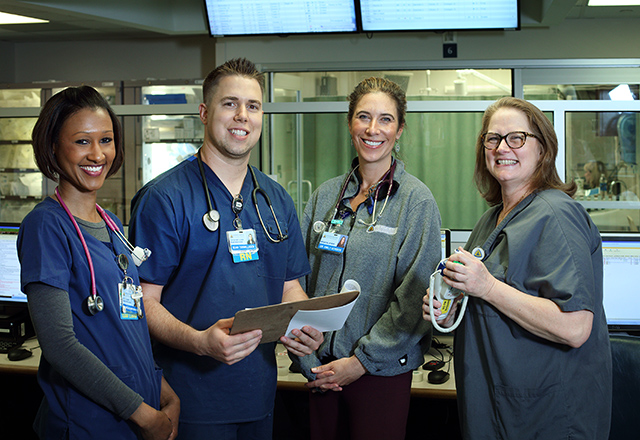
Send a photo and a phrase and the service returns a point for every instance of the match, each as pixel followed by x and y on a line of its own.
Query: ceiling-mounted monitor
pixel 279 17
pixel 438 15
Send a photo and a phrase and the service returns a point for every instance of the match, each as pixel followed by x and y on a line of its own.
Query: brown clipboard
pixel 274 320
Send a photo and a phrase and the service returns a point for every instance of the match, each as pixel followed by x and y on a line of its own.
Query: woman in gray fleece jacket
pixel 361 374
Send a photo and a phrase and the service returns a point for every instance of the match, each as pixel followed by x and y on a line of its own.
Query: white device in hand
pixel 447 296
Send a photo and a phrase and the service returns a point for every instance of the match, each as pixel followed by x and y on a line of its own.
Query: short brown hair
pixel 54 114
pixel 545 175
pixel 238 66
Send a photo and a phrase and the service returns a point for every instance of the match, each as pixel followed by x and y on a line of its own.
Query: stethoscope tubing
pixel 94 293
pixel 204 181
pixel 110 224
pixel 388 176
pixel 254 197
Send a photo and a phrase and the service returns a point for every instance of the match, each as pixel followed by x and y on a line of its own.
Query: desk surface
pixel 420 387
pixel 25 366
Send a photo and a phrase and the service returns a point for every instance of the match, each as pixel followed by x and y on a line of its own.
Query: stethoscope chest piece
pixel 211 220
pixel 319 227
pixel 94 304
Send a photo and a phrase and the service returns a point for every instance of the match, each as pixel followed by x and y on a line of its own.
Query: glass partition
pixel 28 97
pixel 20 180
pixel 600 142
pixel 437 148
pixel 602 157
pixel 459 84
pixel 582 92
pixel 171 94
pixel 306 148
pixel 167 140
pixel 110 93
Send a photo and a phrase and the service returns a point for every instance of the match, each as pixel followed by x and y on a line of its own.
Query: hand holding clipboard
pixel 325 313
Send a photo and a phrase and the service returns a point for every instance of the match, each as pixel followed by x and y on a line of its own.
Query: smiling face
pixel 233 117
pixel 85 150
pixel 513 169
pixel 374 129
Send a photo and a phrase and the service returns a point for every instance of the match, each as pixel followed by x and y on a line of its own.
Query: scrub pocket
pixel 273 256
pixel 531 413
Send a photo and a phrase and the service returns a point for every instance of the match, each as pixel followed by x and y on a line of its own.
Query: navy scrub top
pixel 202 284
pixel 51 252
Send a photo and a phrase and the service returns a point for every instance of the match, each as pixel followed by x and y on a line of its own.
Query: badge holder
pixel 130 299
pixel 333 242
pixel 243 245
pixel 447 295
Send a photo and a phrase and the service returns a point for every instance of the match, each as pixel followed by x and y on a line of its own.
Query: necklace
pixel 373 187
pixel 503 214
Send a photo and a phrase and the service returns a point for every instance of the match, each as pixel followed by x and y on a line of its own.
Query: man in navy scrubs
pixel 196 219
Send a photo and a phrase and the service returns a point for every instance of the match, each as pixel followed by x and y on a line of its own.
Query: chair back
pixel 625 418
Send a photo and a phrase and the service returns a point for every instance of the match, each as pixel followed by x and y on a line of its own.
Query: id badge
pixel 333 242
pixel 130 301
pixel 243 245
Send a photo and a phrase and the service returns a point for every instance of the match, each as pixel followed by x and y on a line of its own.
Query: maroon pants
pixel 373 407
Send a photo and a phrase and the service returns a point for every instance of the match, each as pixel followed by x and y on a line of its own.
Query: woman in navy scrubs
pixel 97 370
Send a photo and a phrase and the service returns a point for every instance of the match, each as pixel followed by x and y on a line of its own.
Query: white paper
pixel 326 320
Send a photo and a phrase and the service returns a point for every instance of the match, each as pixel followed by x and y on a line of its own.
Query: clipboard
pixel 273 320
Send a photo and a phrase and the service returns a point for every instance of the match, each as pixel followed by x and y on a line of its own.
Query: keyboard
pixel 5 346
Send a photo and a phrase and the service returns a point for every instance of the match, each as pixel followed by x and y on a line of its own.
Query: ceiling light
pixel 18 19
pixel 614 3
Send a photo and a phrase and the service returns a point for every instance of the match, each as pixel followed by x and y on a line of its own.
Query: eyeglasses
pixel 514 140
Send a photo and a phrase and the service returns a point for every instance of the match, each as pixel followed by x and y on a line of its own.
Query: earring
pixel 397 146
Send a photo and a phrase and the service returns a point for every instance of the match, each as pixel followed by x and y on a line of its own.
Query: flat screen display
pixel 279 17
pixel 621 254
pixel 445 243
pixel 451 15
pixel 10 266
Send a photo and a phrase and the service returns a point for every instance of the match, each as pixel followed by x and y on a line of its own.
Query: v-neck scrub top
pixel 202 284
pixel 51 252
pixel 512 384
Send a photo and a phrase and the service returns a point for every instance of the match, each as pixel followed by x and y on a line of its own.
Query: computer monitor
pixel 12 300
pixel 418 15
pixel 621 255
pixel 275 17
pixel 445 242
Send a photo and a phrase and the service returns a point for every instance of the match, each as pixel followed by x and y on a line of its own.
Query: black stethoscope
pixel 211 218
pixel 94 302
pixel 387 179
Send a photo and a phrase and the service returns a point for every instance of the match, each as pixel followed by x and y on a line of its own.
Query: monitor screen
pixel 10 267
pixel 445 242
pixel 278 17
pixel 421 15
pixel 621 255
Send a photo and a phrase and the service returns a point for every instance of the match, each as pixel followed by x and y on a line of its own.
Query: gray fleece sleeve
pixel 51 315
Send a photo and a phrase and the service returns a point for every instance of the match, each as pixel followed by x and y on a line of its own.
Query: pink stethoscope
pixel 95 303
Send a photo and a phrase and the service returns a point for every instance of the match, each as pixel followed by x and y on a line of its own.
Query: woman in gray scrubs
pixel 532 357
